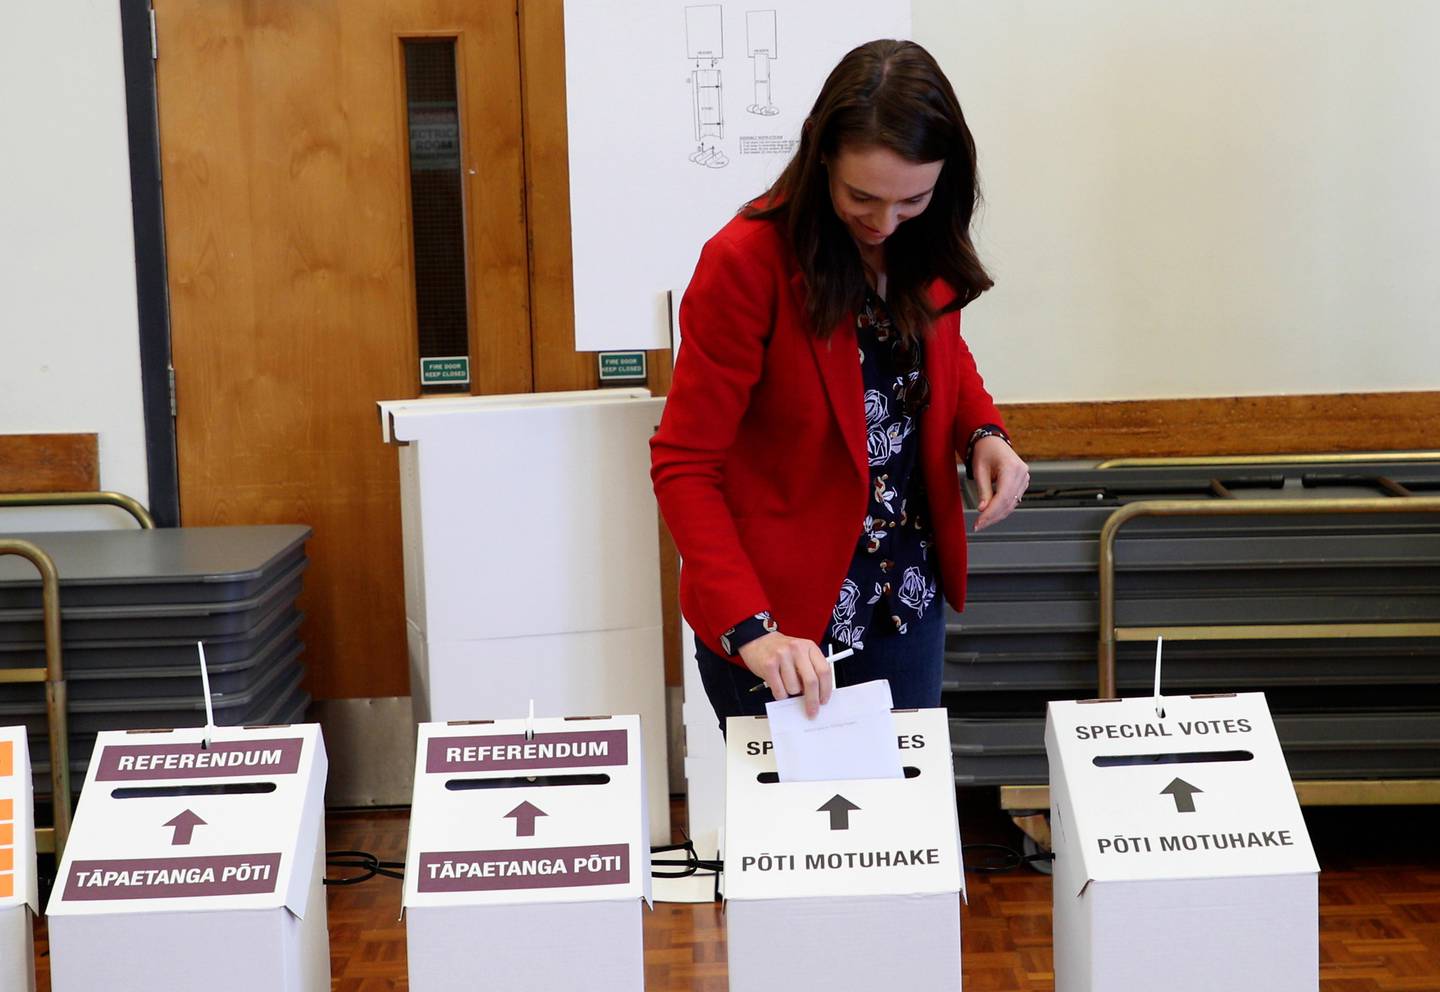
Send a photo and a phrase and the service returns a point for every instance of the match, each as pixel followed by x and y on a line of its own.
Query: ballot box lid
pixel 502 816
pixel 170 823
pixel 856 837
pixel 1201 791
pixel 17 823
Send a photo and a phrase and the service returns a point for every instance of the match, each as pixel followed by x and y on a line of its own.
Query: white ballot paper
pixel 852 737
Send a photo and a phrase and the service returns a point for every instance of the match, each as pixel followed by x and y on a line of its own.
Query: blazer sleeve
pixel 726 318
pixel 976 407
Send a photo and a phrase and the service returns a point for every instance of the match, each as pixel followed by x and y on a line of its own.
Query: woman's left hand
pixel 1001 476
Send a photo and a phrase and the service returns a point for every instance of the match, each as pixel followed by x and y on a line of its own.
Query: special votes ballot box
pixel 18 899
pixel 528 856
pixel 841 885
pixel 1181 858
pixel 193 867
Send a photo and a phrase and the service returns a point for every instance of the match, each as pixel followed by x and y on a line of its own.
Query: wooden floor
pixel 1379 916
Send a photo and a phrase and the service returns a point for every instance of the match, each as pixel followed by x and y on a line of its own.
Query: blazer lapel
pixel 838 360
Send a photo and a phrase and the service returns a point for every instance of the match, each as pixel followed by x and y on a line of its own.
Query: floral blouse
pixel 891 582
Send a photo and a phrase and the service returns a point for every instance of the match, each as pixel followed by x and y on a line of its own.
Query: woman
pixel 806 460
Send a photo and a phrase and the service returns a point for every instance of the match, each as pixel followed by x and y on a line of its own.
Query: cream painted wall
pixel 69 341
pixel 1184 198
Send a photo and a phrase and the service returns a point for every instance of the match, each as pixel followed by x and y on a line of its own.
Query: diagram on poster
pixel 679 113
pixel 760 39
pixel 705 46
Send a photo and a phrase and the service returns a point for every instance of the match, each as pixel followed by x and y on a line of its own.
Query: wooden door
pixel 284 148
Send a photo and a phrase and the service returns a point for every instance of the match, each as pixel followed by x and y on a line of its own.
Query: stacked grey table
pixel 1360 708
pixel 133 606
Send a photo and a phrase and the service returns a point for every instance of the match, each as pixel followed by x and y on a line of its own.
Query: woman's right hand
pixel 791 666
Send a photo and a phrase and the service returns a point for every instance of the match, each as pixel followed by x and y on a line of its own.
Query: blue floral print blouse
pixel 891 582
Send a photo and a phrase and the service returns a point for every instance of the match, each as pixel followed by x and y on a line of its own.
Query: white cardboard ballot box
pixel 193 867
pixel 18 899
pixel 1181 858
pixel 840 885
pixel 532 559
pixel 528 856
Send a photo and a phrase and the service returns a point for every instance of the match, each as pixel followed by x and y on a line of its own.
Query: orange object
pixel 7 886
pixel 7 759
pixel 7 859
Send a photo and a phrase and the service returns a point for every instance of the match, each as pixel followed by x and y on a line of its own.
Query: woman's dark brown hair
pixel 893 95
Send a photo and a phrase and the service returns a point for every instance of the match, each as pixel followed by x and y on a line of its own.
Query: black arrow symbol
pixel 524 816
pixel 839 809
pixel 1183 793
pixel 184 824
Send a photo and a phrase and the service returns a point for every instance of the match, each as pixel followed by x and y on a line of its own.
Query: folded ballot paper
pixel 852 737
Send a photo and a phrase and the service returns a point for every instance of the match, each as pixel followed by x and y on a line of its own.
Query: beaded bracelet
pixel 986 430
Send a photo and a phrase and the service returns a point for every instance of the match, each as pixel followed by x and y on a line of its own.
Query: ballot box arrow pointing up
pixel 1183 793
pixel 839 809
pixel 184 824
pixel 524 816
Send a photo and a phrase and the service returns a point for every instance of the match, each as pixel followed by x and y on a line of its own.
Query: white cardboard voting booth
pixel 1181 858
pixel 528 856
pixel 532 562
pixel 18 900
pixel 196 868
pixel 843 885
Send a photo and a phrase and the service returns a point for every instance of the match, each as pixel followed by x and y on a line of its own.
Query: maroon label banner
pixel 222 759
pixel 531 868
pixel 173 878
pixel 512 752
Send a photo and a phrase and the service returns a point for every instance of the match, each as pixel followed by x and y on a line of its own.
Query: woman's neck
pixel 872 258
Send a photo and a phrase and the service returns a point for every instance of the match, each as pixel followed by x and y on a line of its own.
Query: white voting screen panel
pixel 679 112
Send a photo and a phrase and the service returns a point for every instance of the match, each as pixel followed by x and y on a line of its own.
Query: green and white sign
pixel 622 366
pixel 454 371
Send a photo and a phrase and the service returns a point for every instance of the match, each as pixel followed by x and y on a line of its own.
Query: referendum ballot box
pixel 194 867
pixel 18 900
pixel 528 856
pixel 1181 859
pixel 839 885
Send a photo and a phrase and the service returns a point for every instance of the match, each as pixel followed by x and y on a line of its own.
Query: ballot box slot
pixel 1181 758
pixel 523 782
pixel 172 791
pixel 772 778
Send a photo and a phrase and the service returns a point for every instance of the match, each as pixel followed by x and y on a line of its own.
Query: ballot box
pixel 1181 858
pixel 18 901
pixel 195 866
pixel 528 856
pixel 532 559
pixel 840 885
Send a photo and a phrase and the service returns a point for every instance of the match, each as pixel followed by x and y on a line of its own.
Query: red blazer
pixel 759 464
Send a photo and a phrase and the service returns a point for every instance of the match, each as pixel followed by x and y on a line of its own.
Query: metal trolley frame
pixel 1022 801
pixel 52 838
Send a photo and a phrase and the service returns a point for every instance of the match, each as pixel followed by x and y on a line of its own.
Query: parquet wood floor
pixel 1379 916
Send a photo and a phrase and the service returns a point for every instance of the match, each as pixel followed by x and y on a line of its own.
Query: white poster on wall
pixel 679 113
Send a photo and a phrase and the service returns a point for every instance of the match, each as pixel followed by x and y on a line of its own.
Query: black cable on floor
pixel 1009 858
pixel 364 863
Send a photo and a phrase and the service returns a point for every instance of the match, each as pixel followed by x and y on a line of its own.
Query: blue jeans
pixel 911 661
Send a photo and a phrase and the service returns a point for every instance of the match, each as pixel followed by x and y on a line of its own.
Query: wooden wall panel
pixel 49 463
pixel 1245 425
pixel 558 366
